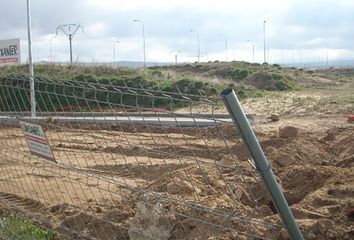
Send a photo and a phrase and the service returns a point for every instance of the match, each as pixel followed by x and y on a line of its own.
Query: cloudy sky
pixel 296 30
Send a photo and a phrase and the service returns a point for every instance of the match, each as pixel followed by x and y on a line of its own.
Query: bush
pixel 156 73
pixel 186 85
pixel 232 74
pixel 282 83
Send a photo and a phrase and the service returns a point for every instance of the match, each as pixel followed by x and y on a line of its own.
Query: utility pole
pixel 114 51
pixel 176 55
pixel 327 58
pixel 225 38
pixel 50 48
pixel 252 50
pixel 198 43
pixel 264 41
pixel 143 28
pixel 70 30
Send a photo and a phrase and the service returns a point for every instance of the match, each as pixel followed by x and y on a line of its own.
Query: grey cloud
pixel 325 20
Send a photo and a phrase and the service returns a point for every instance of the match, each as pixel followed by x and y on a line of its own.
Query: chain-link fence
pixel 128 163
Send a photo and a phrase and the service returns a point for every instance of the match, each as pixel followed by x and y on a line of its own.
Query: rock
pixel 48 120
pixel 179 186
pixel 346 162
pixel 270 149
pixel 255 193
pixel 274 117
pixel 350 213
pixel 311 235
pixel 300 213
pixel 283 235
pixel 221 185
pixel 151 222
pixel 98 209
pixel 322 225
pixel 251 116
pixel 288 132
pixel 283 159
pixel 228 160
pixel 265 210
pixel 244 197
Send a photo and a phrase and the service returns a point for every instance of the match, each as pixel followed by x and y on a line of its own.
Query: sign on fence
pixel 37 140
pixel 10 51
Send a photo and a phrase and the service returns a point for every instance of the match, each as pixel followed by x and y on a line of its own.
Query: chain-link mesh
pixel 130 164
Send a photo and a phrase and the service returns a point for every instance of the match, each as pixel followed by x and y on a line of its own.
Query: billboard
pixel 10 51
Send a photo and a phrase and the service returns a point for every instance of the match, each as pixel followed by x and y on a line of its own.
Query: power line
pixel 70 30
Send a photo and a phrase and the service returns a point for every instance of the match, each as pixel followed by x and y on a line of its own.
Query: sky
pixel 296 31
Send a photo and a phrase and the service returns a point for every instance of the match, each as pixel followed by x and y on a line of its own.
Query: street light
pixel 50 48
pixel 225 38
pixel 114 51
pixel 252 50
pixel 264 41
pixel 142 24
pixel 30 61
pixel 193 30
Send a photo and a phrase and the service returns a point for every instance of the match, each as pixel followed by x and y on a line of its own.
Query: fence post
pixel 249 138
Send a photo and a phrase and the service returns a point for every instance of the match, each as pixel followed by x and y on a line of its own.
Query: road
pixel 158 120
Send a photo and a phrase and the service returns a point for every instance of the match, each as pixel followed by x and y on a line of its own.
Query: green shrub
pixel 156 73
pixel 282 83
pixel 234 74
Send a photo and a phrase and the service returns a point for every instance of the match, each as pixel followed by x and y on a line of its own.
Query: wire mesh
pixel 131 163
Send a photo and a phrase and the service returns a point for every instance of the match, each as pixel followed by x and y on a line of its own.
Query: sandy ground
pixel 201 179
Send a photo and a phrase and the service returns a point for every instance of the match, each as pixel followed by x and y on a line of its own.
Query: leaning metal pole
pixel 249 138
pixel 30 61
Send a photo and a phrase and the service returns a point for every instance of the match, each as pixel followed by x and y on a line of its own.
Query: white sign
pixel 10 51
pixel 37 141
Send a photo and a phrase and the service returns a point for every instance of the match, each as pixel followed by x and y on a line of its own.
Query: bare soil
pixel 195 176
pixel 314 168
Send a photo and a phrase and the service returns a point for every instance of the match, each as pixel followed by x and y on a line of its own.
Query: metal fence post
pixel 249 138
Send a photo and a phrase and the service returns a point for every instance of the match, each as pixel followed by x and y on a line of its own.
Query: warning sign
pixel 37 141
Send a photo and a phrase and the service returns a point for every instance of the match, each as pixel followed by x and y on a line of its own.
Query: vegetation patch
pixel 18 229
pixel 106 87
pixel 272 81
pixel 233 74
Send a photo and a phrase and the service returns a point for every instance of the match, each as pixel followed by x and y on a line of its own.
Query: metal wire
pixel 129 163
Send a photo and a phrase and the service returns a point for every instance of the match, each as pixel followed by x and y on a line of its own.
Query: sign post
pixel 37 140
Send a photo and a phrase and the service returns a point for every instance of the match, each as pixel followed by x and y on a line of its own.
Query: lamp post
pixel 30 61
pixel 264 41
pixel 142 24
pixel 114 51
pixel 225 38
pixel 198 44
pixel 50 48
pixel 252 50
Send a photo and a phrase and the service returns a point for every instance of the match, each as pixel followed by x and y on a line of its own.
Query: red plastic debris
pixel 350 118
